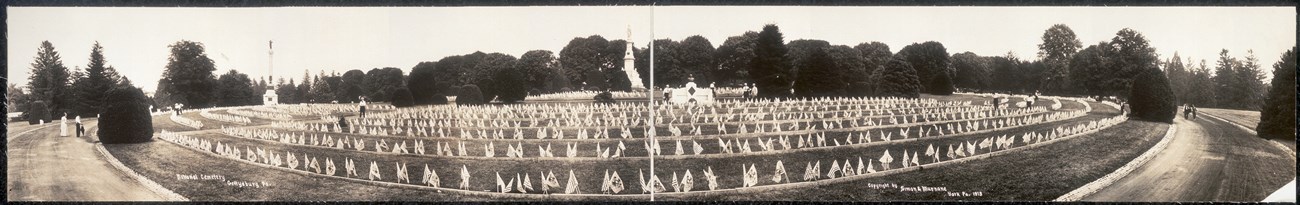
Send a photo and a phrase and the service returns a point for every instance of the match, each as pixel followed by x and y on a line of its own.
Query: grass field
pixel 1034 174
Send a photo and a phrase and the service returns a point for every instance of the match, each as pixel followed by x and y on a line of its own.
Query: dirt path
pixel 45 167
pixel 1208 160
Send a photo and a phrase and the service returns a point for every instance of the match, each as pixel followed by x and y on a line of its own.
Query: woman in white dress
pixel 63 126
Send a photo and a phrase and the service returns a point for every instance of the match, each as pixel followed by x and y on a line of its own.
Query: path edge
pixel 152 186
pixel 1121 172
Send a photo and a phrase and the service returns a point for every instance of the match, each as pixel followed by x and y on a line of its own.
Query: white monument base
pixel 691 95
pixel 270 98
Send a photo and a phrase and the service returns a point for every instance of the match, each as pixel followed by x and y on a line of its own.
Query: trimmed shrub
pixel 897 79
pixel 38 111
pixel 859 89
pixel 438 100
pixel 1151 98
pixel 126 117
pixel 402 97
pixel 941 85
pixel 604 97
pixel 469 95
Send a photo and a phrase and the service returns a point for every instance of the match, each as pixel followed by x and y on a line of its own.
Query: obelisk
pixel 270 98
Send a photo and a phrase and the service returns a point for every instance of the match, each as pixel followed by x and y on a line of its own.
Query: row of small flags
pixel 612 183
pixel 725 146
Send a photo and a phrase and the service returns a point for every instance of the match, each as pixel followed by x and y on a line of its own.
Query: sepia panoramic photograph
pixel 651 103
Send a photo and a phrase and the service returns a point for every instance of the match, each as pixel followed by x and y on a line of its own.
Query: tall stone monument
pixel 629 64
pixel 270 98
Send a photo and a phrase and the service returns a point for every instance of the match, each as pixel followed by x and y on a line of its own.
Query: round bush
pixel 604 97
pixel 1151 98
pixel 402 97
pixel 38 111
pixel 469 95
pixel 126 117
pixel 941 85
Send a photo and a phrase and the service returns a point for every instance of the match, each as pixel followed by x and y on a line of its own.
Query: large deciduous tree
pixel 423 84
pixel 874 55
pixel 349 88
pixel 770 70
pixel 733 59
pixel 582 56
pixel 799 51
pixel 1277 119
pixel 1059 45
pixel 896 79
pixel 929 59
pixel 973 71
pixel 236 89
pixel 539 66
pixel 1132 55
pixel 485 75
pixel 696 59
pixel 821 76
pixel 852 69
pixel 1088 69
pixel 189 75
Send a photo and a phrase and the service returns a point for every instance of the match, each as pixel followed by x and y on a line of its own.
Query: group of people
pixel 1189 111
pixel 63 126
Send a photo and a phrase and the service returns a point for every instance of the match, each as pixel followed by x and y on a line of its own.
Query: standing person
pixel 63 125
pixel 363 107
pixel 1193 111
pixel 1187 111
pixel 997 100
pixel 81 131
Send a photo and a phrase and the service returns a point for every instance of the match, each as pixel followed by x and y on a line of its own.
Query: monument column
pixel 270 98
pixel 629 64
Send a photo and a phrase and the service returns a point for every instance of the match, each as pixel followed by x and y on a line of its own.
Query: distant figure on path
pixel 63 125
pixel 749 91
pixel 1193 112
pixel 363 107
pixel 997 100
pixel 343 123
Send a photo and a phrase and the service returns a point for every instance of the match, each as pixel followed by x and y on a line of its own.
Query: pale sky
pixel 338 39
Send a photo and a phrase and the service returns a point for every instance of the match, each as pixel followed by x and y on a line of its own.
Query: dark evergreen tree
pixel 98 79
pixel 49 80
pixel 770 70
pixel 1277 119
pixel 1151 98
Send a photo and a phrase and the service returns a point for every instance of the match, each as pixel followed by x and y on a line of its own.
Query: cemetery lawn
pixel 162 161
pixel 1247 118
pixel 1036 174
